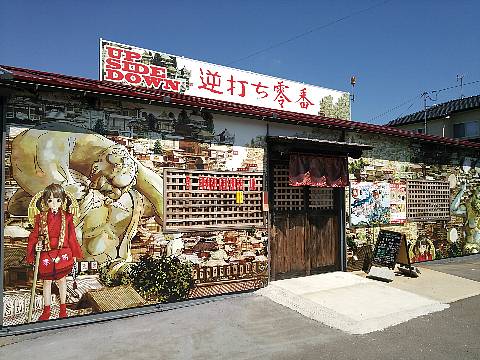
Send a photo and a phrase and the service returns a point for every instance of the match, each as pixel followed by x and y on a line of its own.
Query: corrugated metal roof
pixel 34 77
pixel 439 111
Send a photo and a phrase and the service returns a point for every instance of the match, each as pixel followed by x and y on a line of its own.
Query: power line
pixel 403 112
pixel 456 86
pixel 298 36
pixel 419 96
pixel 412 100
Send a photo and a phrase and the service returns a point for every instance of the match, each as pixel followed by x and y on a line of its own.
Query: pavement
pixel 349 302
pixel 437 285
pixel 466 267
pixel 352 303
pixel 251 326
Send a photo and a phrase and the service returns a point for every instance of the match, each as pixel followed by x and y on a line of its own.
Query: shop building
pixel 217 196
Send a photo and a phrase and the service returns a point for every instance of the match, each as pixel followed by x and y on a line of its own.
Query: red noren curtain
pixel 319 171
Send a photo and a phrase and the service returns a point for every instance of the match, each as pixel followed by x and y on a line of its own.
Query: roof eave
pixel 57 81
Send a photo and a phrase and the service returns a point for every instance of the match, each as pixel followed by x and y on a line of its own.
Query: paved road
pixel 467 267
pixel 252 327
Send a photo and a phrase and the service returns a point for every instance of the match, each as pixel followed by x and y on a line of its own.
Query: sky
pixel 396 49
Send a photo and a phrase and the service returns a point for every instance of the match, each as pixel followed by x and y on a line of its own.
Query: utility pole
pixel 425 97
pixel 460 78
pixel 353 81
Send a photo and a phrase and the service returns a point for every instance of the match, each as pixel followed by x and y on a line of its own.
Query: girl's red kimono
pixel 55 223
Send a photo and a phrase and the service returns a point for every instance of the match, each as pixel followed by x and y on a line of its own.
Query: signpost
pixel 390 249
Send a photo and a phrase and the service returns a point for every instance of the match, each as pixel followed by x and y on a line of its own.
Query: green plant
pixel 439 255
pixel 352 245
pixel 112 276
pixel 356 166
pixel 342 107
pixel 157 147
pixel 99 127
pixel 162 279
pixel 455 250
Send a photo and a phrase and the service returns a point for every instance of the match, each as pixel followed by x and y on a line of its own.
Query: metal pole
pixel 3 110
pixel 460 77
pixel 424 113
pixel 342 227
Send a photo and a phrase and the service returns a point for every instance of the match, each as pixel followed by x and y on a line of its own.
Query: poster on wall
pixel 398 203
pixel 91 217
pixel 377 203
pixel 131 65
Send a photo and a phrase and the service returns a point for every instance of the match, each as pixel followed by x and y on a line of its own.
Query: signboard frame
pixel 397 254
pixel 135 66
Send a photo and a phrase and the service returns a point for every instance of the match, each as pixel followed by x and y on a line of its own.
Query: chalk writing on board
pixel 386 249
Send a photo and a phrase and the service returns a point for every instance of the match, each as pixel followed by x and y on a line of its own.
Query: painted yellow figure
pixel 112 188
pixel 470 209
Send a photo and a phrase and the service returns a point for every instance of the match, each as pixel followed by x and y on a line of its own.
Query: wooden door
pixel 305 228
pixel 322 243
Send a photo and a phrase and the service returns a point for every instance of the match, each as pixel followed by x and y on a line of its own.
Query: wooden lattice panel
pixel 428 200
pixel 200 200
pixel 321 198
pixel 286 197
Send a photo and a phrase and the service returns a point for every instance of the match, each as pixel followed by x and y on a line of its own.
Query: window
pixel 428 200
pixel 459 130
pixel 420 130
pixel 286 197
pixel 471 129
pixel 465 130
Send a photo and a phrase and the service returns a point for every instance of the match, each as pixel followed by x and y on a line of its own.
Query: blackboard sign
pixel 387 248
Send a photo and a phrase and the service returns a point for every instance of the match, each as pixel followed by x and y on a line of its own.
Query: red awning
pixel 319 171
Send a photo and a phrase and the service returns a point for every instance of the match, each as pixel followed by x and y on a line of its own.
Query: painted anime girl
pixel 53 229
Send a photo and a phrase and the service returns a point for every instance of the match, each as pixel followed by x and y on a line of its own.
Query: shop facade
pixel 177 197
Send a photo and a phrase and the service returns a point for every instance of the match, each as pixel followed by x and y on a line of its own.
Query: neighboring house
pixel 458 118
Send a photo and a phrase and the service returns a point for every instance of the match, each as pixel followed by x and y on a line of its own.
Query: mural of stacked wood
pixel 197 200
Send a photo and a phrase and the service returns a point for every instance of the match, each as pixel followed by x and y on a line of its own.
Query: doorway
pixel 306 226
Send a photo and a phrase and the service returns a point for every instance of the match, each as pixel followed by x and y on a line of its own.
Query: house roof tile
pixel 439 111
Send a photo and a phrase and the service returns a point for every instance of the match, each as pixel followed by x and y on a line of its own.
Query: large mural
pixel 396 164
pixel 156 204
pixel 94 222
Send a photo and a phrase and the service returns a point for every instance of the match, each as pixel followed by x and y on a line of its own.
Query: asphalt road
pixel 253 327
pixel 467 267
